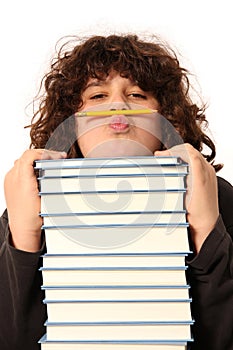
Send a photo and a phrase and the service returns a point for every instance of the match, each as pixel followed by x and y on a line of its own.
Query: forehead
pixel 111 78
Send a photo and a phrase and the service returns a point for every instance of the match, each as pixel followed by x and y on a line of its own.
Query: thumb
pixel 162 153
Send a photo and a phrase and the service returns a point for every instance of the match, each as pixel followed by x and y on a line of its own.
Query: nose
pixel 114 109
pixel 114 105
pixel 117 98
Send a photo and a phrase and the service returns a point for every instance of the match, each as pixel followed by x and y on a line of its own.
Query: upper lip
pixel 119 119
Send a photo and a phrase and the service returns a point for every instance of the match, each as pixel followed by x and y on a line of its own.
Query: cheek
pixel 85 143
pixel 149 126
pixel 149 140
pixel 90 125
pixel 88 140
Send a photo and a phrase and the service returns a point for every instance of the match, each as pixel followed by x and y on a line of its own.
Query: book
pixel 118 310
pixel 121 170
pixel 127 182
pixel 114 218
pixel 112 260
pixel 87 292
pixel 149 239
pixel 113 276
pixel 112 201
pixel 105 162
pixel 174 331
pixel 111 345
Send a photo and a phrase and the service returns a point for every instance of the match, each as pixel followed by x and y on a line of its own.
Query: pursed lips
pixel 119 123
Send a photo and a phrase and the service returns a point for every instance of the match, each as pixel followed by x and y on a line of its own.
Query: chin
pixel 119 148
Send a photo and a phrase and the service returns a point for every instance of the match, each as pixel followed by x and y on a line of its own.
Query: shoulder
pixel 3 225
pixel 5 215
pixel 225 190
pixel 225 197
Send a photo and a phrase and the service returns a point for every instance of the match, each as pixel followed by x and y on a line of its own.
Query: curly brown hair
pixel 152 64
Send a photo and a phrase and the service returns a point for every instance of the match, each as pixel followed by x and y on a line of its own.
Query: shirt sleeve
pixel 211 279
pixel 22 313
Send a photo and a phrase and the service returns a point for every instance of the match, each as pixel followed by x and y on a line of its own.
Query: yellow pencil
pixel 115 112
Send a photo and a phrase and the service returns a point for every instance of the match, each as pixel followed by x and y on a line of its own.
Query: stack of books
pixel 114 274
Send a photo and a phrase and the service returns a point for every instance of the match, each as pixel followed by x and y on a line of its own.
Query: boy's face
pixel 117 135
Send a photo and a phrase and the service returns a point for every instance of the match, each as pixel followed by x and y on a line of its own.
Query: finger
pixel 49 154
pixel 184 151
pixel 25 164
pixel 29 156
pixel 37 154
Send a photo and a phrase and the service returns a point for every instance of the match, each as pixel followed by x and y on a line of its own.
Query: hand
pixel 202 194
pixel 23 201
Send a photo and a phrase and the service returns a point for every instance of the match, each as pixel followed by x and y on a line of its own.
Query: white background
pixel 200 30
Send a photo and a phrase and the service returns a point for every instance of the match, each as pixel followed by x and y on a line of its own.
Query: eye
pixel 97 96
pixel 138 95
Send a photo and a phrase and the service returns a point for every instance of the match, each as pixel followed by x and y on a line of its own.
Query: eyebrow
pixel 95 83
pixel 103 82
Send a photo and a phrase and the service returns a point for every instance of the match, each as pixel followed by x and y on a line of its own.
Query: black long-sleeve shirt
pixel 22 312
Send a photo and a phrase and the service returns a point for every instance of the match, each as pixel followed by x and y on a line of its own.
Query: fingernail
pixel 63 154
